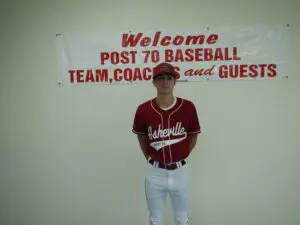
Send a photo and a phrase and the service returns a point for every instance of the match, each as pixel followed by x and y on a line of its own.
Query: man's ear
pixel 153 82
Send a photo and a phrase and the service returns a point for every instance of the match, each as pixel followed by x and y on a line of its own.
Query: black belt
pixel 171 166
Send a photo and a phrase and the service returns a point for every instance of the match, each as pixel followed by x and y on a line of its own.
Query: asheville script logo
pixel 175 131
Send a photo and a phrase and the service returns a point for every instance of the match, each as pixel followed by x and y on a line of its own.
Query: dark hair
pixel 170 74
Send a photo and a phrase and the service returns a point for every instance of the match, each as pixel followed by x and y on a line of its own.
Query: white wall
pixel 68 155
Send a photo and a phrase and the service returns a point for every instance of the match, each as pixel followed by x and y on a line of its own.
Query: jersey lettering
pixel 177 130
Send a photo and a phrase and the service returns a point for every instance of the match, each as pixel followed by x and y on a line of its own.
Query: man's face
pixel 164 83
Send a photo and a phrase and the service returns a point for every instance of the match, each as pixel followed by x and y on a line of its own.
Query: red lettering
pixel 165 41
pixel 178 40
pixel 234 71
pixel 253 71
pixel 156 38
pixel 79 76
pixel 89 76
pixel 137 74
pixel 235 55
pixel 208 54
pixel 223 71
pixel 202 54
pixel 193 39
pixel 102 75
pixel 169 55
pixel 116 76
pixel 227 58
pixel 179 56
pixel 103 57
pixel 132 40
pixel 262 69
pixel 127 74
pixel 72 74
pixel 133 54
pixel 155 56
pixel 218 55
pixel 147 54
pixel 198 54
pixel 189 57
pixel 227 55
pixel 177 69
pixel 124 57
pixel 212 39
pixel 272 72
pixel 243 71
pixel 209 71
pixel 145 41
pixel 145 75
pixel 189 72
pixel 114 58
pixel 127 57
pixel 199 72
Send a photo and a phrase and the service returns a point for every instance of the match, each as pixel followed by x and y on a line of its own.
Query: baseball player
pixel 167 129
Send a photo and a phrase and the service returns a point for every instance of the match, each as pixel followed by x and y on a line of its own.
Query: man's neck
pixel 165 101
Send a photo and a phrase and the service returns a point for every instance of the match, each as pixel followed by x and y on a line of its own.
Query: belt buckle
pixel 171 166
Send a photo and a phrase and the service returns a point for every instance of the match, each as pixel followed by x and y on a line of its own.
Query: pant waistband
pixel 171 166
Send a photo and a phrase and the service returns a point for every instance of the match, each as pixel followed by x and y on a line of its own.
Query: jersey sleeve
pixel 194 125
pixel 139 126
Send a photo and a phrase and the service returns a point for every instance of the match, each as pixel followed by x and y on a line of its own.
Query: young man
pixel 167 128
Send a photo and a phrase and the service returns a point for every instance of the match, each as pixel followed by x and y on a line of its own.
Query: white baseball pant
pixel 160 182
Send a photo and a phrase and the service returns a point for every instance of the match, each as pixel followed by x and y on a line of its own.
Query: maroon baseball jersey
pixel 167 129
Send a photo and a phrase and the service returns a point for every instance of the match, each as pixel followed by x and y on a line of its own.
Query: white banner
pixel 223 53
